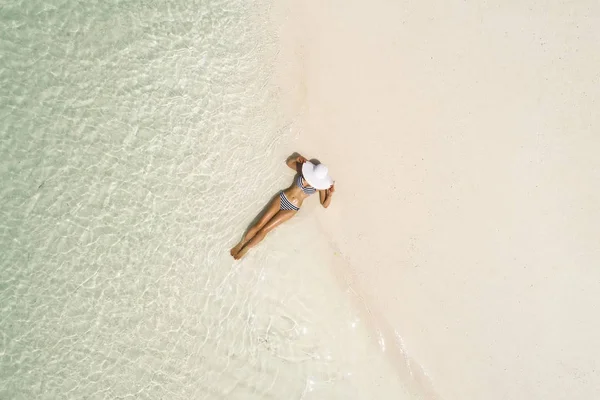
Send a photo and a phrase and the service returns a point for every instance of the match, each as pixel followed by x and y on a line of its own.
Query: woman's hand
pixel 331 189
pixel 296 163
pixel 325 195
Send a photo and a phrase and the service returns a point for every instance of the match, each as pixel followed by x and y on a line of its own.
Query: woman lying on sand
pixel 310 178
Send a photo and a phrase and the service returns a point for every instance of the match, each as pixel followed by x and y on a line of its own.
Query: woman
pixel 310 179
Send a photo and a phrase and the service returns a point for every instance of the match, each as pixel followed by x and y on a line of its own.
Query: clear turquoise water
pixel 129 133
pixel 120 123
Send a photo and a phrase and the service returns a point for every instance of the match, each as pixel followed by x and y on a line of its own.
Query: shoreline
pixel 385 339
pixel 292 78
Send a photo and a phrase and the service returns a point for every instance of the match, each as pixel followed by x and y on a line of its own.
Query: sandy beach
pixel 464 141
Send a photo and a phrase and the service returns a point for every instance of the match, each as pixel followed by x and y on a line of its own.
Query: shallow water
pixel 130 138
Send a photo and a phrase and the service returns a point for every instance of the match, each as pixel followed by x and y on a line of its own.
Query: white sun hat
pixel 317 176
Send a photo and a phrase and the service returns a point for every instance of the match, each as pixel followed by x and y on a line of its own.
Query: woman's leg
pixel 278 219
pixel 271 211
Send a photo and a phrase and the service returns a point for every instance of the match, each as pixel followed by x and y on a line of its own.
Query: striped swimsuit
pixel 285 204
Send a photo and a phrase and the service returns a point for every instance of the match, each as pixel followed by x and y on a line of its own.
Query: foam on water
pixel 136 144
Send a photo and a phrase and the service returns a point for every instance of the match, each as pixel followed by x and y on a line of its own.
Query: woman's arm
pixel 293 162
pixel 326 195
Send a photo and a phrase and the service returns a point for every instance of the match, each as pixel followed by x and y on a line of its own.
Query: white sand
pixel 464 140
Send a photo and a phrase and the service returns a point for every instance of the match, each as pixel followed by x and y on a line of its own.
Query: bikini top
pixel 305 189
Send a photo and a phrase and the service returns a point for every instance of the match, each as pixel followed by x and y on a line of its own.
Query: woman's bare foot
pixel 241 253
pixel 234 251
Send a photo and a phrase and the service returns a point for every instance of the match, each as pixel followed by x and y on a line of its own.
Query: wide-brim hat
pixel 317 176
